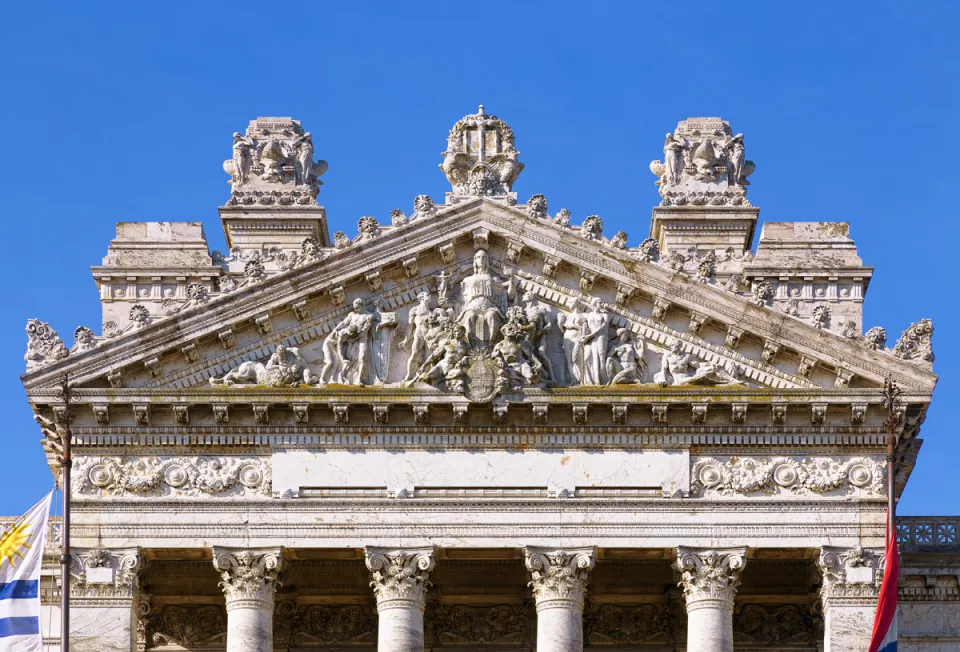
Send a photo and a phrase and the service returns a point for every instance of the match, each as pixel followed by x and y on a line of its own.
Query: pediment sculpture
pixel 482 330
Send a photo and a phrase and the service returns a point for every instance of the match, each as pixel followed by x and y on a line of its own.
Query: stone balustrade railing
pixel 927 533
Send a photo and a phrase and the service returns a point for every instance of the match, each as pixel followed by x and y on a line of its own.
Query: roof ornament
pixel 481 159
pixel 272 164
pixel 703 165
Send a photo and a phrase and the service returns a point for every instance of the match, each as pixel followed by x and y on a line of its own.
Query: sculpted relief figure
pixel 673 159
pixel 484 297
pixel 679 368
pixel 517 364
pixel 594 339
pixel 285 367
pixel 345 350
pixel 303 146
pixel 536 327
pixel 416 338
pixel 570 324
pixel 242 158
pixel 735 160
pixel 446 365
pixel 625 364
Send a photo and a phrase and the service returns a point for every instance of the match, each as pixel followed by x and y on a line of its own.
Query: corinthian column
pixel 709 579
pixel 849 592
pixel 559 580
pixel 249 583
pixel 400 579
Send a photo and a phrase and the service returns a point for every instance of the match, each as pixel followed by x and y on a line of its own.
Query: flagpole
pixel 65 523
pixel 891 400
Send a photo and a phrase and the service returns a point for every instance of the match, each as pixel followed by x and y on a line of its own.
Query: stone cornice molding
pixel 850 575
pixel 105 576
pixel 460 220
pixel 400 577
pixel 559 577
pixel 249 576
pixel 710 577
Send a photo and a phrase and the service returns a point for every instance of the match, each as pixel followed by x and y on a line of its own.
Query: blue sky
pixel 119 111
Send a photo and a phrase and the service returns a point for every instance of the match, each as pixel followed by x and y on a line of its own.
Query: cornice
pixel 349 265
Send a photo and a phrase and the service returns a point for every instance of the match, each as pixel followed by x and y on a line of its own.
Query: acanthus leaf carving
pixel 400 574
pixel 167 476
pixel 916 343
pixel 43 345
pixel 559 575
pixel 248 574
pixel 710 574
pixel 743 476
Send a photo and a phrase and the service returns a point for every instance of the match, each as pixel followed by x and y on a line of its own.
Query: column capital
pixel 400 576
pixel 850 575
pixel 249 575
pixel 559 577
pixel 105 575
pixel 710 577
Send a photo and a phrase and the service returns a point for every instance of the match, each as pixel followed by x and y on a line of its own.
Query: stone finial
pixel 703 165
pixel 916 343
pixel 400 574
pixel 559 575
pixel 248 574
pixel 272 164
pixel 481 158
pixel 43 345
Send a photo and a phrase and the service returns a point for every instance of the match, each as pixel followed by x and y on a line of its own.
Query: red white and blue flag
pixel 884 637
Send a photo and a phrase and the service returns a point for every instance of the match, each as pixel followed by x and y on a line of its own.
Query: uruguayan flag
pixel 21 556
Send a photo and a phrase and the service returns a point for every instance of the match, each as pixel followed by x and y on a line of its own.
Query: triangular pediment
pixel 749 345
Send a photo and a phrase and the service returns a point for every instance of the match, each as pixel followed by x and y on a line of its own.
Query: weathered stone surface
pixel 448 389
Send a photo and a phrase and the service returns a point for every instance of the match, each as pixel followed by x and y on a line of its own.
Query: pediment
pixel 558 268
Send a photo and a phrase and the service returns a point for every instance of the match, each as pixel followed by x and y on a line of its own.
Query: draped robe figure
pixel 484 301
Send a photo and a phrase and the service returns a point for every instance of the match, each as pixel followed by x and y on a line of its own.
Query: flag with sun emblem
pixel 21 556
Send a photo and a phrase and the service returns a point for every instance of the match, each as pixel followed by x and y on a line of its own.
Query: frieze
pixel 613 624
pixel 501 624
pixel 784 624
pixel 743 476
pixel 103 477
pixel 315 625
pixel 187 626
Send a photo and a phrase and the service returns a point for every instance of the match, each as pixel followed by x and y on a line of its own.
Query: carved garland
pixel 818 475
pixel 180 476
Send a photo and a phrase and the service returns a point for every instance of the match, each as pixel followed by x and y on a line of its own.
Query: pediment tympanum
pixel 520 303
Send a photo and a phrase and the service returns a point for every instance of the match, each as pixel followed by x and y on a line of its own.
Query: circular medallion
pixel 784 475
pixel 481 384
pixel 175 476
pixel 860 474
pixel 100 475
pixel 710 475
pixel 250 476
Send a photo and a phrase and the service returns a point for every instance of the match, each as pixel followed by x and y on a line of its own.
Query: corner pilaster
pixel 849 593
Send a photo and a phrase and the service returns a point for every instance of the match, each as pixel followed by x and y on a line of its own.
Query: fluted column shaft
pixel 400 579
pixel 849 592
pixel 709 579
pixel 559 580
pixel 249 582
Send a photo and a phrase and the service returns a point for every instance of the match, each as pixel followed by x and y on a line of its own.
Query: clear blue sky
pixel 123 111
